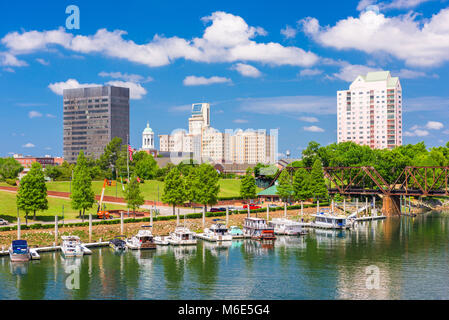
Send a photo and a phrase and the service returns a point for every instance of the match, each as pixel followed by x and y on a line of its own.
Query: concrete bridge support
pixel 391 206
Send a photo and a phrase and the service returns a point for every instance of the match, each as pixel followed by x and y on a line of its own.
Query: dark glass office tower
pixel 92 117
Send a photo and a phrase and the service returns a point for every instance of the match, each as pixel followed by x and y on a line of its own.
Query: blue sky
pixel 260 65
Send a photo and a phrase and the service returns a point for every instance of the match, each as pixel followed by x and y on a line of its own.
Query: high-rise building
pixel 205 143
pixel 370 112
pixel 93 116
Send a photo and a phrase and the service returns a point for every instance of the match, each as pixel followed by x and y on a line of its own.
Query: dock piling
pixel 285 209
pixel 121 222
pixel 18 228
pixel 317 206
pixel 90 227
pixel 56 229
pixel 204 217
pixel 268 213
pixel 344 205
pixel 302 208
pixel 227 216
pixel 177 218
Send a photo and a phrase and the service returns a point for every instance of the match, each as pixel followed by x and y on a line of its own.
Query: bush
pixel 11 182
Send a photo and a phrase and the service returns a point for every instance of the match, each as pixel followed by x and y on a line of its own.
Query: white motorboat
pixel 330 221
pixel 71 246
pixel 286 227
pixel 161 241
pixel 181 236
pixel 258 229
pixel 19 251
pixel 215 233
pixel 143 240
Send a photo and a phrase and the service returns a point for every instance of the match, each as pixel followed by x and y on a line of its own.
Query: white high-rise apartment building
pixel 370 112
pixel 207 143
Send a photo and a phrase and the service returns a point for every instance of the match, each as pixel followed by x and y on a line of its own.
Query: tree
pixel 319 189
pixel 32 193
pixel 191 185
pixel 133 197
pixel 248 186
pixel 302 185
pixel 208 187
pixel 145 167
pixel 10 168
pixel 82 195
pixel 52 172
pixel 174 189
pixel 284 188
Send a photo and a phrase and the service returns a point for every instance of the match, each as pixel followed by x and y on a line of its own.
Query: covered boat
pixel 19 251
pixel 257 228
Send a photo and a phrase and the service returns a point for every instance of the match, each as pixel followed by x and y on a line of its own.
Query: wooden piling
pixel 56 230
pixel 18 228
pixel 121 223
pixel 90 227
pixel 227 216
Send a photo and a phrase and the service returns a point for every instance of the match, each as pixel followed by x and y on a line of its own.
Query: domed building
pixel 148 141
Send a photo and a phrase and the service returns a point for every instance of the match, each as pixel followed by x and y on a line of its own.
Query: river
pixel 398 258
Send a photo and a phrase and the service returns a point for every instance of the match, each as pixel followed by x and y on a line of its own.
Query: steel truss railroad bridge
pixel 366 180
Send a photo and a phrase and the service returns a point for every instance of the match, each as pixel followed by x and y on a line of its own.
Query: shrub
pixel 11 182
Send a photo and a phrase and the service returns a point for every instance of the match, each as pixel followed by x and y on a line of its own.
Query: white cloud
pixel 416 133
pixel 313 129
pixel 30 104
pixel 199 81
pixel 431 103
pixel 42 62
pixel 289 32
pixel 434 125
pixel 247 70
pixel 136 91
pixel 412 74
pixel 310 72
pixel 49 115
pixel 28 145
pixel 34 114
pixel 395 4
pixel 9 60
pixel 228 38
pixel 240 121
pixel 349 72
pixel 309 119
pixel 422 42
pixel 289 104
pixel 126 76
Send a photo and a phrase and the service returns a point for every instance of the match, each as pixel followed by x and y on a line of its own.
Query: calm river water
pixel 392 259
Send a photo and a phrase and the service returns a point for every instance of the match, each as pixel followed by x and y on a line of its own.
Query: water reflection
pixel 411 255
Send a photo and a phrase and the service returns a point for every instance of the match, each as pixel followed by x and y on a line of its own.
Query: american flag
pixel 130 150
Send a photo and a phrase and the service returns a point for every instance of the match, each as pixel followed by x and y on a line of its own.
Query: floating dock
pixel 57 248
pixel 370 218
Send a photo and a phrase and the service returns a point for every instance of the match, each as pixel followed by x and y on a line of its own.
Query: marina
pixel 324 264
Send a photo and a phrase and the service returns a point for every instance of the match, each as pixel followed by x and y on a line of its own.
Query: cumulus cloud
pixel 289 32
pixel 126 76
pixel 349 72
pixel 434 125
pixel 395 4
pixel 310 72
pixel 247 70
pixel 289 104
pixel 9 60
pixel 136 91
pixel 309 119
pixel 313 129
pixel 202 81
pixel 416 133
pixel 34 114
pixel 28 145
pixel 49 115
pixel 422 131
pixel 228 38
pixel 42 61
pixel 418 42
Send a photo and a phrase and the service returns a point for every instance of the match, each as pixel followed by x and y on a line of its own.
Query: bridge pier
pixel 391 206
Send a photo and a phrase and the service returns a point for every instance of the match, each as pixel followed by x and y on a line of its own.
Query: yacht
pixel 143 240
pixel 236 232
pixel 71 246
pixel 19 251
pixel 216 232
pixel 257 228
pixel 287 227
pixel 327 220
pixel 161 241
pixel 181 236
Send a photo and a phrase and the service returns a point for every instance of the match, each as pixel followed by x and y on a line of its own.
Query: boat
pixel 327 220
pixel 216 232
pixel 182 236
pixel 287 227
pixel 236 232
pixel 118 244
pixel 143 240
pixel 161 241
pixel 34 254
pixel 19 251
pixel 71 246
pixel 257 228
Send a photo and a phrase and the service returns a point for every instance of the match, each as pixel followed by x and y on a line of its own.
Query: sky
pixel 260 64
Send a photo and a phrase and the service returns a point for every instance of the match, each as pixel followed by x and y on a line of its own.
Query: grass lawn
pixel 149 189
pixel 8 209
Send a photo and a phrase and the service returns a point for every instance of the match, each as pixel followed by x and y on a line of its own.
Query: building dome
pixel 148 129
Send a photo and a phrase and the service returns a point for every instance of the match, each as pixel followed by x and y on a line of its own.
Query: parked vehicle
pixel 3 222
pixel 251 206
pixel 272 205
pixel 217 209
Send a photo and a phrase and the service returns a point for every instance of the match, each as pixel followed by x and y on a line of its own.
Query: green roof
pixel 377 76
pixel 271 191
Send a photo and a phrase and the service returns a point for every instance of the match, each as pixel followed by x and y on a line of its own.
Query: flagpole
pixel 127 160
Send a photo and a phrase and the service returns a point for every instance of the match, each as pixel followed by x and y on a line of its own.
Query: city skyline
pixel 277 73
